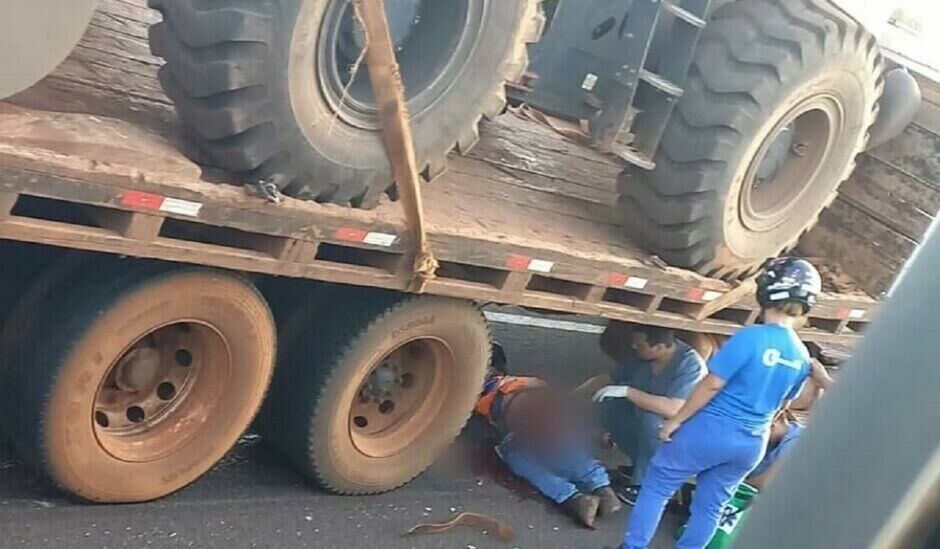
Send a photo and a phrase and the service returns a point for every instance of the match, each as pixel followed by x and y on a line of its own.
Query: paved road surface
pixel 253 500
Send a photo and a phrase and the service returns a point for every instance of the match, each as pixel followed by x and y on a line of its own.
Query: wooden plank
pixel 915 153
pixel 595 294
pixel 540 151
pixel 892 197
pixel 7 201
pixel 881 238
pixel 928 118
pixel 133 225
pixel 870 269
pixel 515 282
pixel 94 239
pixel 745 288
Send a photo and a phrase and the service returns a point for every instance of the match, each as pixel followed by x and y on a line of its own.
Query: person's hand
pixel 611 391
pixel 669 427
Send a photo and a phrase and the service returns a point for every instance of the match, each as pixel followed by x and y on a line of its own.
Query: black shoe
pixel 628 494
pixel 583 508
pixel 609 503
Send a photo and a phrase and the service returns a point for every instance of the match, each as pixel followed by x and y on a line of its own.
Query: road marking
pixel 563 325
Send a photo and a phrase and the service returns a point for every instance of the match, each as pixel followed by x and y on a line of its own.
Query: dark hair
pixel 656 335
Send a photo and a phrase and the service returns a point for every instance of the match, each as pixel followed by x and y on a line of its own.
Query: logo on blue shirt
pixel 773 357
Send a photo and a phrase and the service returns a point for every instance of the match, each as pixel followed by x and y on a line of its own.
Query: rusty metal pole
pixel 396 130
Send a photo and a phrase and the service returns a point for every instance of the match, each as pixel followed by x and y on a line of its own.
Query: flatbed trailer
pixel 523 220
pixel 371 383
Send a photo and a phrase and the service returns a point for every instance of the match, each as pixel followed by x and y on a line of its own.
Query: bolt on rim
pixel 400 397
pixel 160 391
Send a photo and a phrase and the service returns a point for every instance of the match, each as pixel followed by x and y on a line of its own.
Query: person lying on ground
pixel 721 432
pixel 542 442
pixel 649 384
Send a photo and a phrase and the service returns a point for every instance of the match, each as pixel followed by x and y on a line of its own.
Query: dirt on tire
pixel 54 391
pixel 246 79
pixel 758 63
pixel 310 414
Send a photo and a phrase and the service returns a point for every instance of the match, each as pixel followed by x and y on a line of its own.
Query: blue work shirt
pixel 676 380
pixel 763 366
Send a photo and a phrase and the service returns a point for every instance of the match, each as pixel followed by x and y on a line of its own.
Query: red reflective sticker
pixel 616 279
pixel 137 199
pixel 518 262
pixel 350 235
pixel 695 294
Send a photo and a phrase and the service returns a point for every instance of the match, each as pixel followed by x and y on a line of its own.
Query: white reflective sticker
pixel 380 239
pixel 635 282
pixel 857 313
pixel 541 266
pixel 590 80
pixel 180 207
pixel 711 295
pixel 779 295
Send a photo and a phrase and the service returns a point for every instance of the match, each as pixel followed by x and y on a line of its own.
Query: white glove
pixel 611 391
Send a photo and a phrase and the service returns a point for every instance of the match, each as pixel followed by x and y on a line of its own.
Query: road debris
pixel 477 521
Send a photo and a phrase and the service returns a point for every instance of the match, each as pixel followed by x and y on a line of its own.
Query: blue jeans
pixel 634 431
pixel 716 450
pixel 559 475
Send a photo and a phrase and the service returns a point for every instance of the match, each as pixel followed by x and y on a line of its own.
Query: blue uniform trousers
pixel 558 474
pixel 716 450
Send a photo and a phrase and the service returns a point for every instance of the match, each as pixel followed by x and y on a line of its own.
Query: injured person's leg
pixel 568 475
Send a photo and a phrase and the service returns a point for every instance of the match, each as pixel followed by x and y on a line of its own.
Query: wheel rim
pixel 788 163
pixel 160 391
pixel 400 397
pixel 434 40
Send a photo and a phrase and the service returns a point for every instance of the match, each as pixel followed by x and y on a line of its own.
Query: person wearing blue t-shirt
pixel 721 432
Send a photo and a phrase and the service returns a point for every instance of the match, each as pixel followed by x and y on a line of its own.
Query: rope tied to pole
pixel 385 75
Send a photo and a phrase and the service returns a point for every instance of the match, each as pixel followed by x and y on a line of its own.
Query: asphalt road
pixel 252 499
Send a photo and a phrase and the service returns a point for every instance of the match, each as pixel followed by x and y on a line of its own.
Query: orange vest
pixel 501 386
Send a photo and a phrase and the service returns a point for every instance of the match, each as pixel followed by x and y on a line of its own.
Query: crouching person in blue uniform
pixel 721 432
pixel 542 441
pixel 654 374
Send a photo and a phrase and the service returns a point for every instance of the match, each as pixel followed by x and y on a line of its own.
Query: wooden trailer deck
pixel 526 219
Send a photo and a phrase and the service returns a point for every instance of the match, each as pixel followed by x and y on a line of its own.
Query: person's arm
pixel 690 371
pixel 701 395
pixel 820 375
pixel 660 405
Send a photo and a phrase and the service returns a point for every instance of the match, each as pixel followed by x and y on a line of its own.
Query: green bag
pixel 733 514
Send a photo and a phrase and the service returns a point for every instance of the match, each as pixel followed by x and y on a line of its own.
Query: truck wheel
pixel 31 302
pixel 266 85
pixel 35 37
pixel 142 382
pixel 375 393
pixel 778 103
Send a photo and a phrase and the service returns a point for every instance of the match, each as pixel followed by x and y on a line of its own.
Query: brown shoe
pixel 609 504
pixel 583 508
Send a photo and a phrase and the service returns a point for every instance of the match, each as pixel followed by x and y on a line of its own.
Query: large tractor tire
pixel 138 380
pixel 265 85
pixel 37 35
pixel 779 101
pixel 366 400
